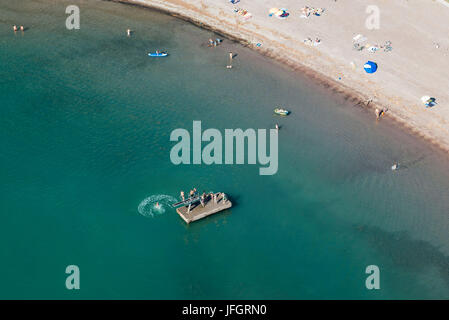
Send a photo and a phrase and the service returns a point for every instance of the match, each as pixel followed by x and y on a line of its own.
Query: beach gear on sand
pixel 273 11
pixel 428 101
pixel 281 112
pixel 359 38
pixel 244 13
pixel 280 13
pixel 156 54
pixel 370 67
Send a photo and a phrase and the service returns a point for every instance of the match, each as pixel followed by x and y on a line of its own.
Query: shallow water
pixel 85 126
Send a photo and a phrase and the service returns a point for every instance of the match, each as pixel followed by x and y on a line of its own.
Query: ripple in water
pixel 155 204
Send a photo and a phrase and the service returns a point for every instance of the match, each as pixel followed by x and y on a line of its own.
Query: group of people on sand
pixel 14 27
pixel 380 113
pixel 307 11
pixel 311 42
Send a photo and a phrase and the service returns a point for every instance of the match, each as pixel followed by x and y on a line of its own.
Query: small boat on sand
pixel 158 54
pixel 281 112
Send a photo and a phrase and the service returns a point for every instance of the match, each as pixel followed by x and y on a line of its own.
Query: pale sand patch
pixel 414 68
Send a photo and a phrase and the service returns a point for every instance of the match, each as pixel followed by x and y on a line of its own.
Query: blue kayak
pixel 160 54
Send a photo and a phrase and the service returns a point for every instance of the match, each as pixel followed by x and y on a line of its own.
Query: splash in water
pixel 155 204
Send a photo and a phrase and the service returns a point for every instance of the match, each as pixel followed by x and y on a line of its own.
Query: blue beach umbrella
pixel 370 67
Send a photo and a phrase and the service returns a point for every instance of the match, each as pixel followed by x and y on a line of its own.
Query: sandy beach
pixel 415 66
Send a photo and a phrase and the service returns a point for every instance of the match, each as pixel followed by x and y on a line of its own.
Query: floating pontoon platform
pixel 197 211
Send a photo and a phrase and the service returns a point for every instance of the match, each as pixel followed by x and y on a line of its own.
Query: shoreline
pixel 348 93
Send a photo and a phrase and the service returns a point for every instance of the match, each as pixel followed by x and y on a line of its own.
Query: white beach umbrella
pixel 279 13
pixel 273 10
pixel 424 99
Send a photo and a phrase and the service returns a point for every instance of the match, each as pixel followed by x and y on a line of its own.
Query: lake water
pixel 85 142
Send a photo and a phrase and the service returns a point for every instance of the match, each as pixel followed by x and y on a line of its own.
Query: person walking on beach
pixel 14 27
pixel 22 28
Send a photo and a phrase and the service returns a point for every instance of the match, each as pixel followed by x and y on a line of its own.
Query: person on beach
pixel 379 113
pixel 128 32
pixel 277 127
pixel 22 28
pixel 14 27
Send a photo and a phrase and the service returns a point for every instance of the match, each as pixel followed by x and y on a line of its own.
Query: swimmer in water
pixel 277 127
pixel 157 205
pixel 395 166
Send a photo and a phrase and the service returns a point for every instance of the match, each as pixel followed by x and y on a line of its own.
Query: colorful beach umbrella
pixel 370 67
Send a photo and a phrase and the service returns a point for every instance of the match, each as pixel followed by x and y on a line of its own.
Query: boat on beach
pixel 281 111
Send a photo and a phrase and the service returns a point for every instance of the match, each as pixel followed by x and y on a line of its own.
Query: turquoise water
pixel 84 132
